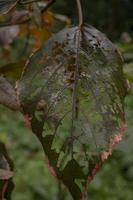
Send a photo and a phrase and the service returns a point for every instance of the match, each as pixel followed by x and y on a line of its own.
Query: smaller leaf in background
pixel 8 94
pixel 43 31
pixel 20 16
pixel 12 70
pixel 7 5
pixel 41 35
pixel 6 173
pixel 48 18
pixel 8 34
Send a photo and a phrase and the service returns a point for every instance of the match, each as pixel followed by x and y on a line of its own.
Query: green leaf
pixel 72 93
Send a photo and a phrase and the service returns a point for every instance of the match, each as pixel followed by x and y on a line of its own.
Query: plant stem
pixel 80 12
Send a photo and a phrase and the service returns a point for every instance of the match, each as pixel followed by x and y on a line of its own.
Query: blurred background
pixel 115 181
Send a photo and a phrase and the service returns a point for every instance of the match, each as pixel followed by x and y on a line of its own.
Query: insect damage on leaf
pixel 73 91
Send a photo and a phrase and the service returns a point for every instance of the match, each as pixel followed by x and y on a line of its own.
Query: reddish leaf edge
pixel 103 156
pixel 116 139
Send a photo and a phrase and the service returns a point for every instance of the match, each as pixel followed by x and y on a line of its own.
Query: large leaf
pixel 6 167
pixel 72 93
pixel 6 5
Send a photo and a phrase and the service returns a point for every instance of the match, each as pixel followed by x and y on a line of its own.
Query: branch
pixel 8 95
pixel 80 12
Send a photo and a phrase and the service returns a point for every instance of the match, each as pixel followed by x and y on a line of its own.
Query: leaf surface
pixel 72 93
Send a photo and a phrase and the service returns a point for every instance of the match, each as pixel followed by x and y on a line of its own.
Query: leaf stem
pixel 80 12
